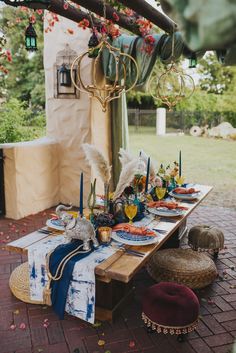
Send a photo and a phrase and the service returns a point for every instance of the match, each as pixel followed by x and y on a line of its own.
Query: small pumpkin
pixel 205 237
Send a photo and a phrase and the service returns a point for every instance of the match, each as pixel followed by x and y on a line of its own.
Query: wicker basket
pixel 183 266
pixel 19 284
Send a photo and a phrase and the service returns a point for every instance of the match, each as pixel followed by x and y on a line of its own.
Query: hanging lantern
pixel 191 56
pixel 220 53
pixel 172 86
pixel 92 44
pixel 30 38
pixel 64 76
pixel 106 92
pixel 192 61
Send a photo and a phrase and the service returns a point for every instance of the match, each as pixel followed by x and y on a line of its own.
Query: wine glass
pixel 179 180
pixel 160 192
pixel 131 211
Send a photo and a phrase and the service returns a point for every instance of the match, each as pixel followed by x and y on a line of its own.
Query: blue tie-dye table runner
pixel 81 294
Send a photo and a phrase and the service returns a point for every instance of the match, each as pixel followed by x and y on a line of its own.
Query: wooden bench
pixel 114 276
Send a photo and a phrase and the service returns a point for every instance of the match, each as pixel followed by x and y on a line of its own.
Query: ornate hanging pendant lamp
pixel 107 91
pixel 173 85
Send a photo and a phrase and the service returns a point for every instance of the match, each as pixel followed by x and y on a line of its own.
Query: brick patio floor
pixel 215 333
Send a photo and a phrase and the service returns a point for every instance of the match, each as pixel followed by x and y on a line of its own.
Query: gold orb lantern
pixel 105 92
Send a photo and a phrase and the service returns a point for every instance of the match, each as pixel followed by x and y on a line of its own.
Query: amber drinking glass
pixel 160 192
pixel 131 211
pixel 179 180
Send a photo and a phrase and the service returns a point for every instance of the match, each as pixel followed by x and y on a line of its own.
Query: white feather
pixel 125 157
pixel 144 157
pixel 97 162
pixel 126 176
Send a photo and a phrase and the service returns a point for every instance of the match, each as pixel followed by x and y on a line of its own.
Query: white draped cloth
pixel 81 294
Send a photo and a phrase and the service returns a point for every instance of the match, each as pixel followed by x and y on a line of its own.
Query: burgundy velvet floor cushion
pixel 170 306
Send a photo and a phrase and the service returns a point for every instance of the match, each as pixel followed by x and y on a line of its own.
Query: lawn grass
pixel 204 160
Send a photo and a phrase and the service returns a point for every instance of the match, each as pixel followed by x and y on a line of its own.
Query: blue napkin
pixel 60 288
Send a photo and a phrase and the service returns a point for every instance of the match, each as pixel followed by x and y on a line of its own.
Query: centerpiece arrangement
pixel 141 190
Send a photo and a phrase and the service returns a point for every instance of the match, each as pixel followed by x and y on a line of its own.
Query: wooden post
pixel 2 189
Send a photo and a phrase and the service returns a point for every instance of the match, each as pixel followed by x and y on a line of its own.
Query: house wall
pixel 43 173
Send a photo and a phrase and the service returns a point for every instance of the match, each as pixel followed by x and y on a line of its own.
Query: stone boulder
pixel 222 130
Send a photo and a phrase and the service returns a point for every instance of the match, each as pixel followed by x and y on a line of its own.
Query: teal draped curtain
pixel 134 46
pixel 205 25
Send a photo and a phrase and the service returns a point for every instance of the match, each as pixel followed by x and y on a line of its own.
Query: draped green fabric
pixel 208 24
pixel 134 46
pixel 119 132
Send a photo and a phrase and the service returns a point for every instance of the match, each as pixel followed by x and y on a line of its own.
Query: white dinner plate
pixel 123 240
pixel 185 196
pixel 164 212
pixel 55 224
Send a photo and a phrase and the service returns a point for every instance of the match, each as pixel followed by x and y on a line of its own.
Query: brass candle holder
pixel 104 234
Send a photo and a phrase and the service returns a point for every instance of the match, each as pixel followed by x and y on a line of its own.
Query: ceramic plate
pixel 185 196
pixel 164 212
pixel 55 224
pixel 132 239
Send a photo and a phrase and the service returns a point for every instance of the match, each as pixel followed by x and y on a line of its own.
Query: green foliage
pixel 25 80
pixel 215 78
pixel 15 122
pixel 141 100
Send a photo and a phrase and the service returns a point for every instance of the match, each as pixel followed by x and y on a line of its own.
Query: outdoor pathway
pixel 28 328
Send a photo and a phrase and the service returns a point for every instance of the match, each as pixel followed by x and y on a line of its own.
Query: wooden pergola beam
pixel 150 13
pixel 71 13
pixel 140 7
pixel 97 7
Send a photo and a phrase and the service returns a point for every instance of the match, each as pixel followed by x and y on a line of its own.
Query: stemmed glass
pixel 131 211
pixel 160 192
pixel 179 180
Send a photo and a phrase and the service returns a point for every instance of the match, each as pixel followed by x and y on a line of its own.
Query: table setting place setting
pixel 141 210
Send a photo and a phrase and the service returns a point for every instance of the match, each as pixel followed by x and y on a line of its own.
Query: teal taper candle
pixel 81 192
pixel 147 176
pixel 180 164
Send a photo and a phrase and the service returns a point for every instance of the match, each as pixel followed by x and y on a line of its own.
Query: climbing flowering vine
pixel 109 27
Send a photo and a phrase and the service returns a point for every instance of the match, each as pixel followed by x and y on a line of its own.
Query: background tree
pixel 214 77
pixel 25 78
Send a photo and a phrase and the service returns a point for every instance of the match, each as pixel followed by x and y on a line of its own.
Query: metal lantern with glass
pixel 30 37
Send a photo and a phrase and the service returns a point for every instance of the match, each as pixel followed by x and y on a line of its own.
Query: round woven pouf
pixel 170 308
pixel 204 237
pixel 184 266
pixel 19 284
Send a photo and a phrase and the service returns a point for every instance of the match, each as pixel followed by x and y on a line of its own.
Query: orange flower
pixel 84 23
pixel 70 31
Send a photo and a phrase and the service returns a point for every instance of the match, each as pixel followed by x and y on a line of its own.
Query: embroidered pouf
pixel 183 266
pixel 170 308
pixel 204 237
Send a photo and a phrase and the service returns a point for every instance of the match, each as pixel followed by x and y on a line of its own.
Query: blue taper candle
pixel 147 176
pixel 180 164
pixel 81 192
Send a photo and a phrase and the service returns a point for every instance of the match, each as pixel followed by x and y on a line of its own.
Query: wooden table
pixel 114 285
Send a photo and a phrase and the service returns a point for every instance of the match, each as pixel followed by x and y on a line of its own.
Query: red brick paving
pixel 215 333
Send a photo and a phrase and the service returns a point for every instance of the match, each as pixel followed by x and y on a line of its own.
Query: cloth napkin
pixel 60 288
pixel 130 228
pixel 171 205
